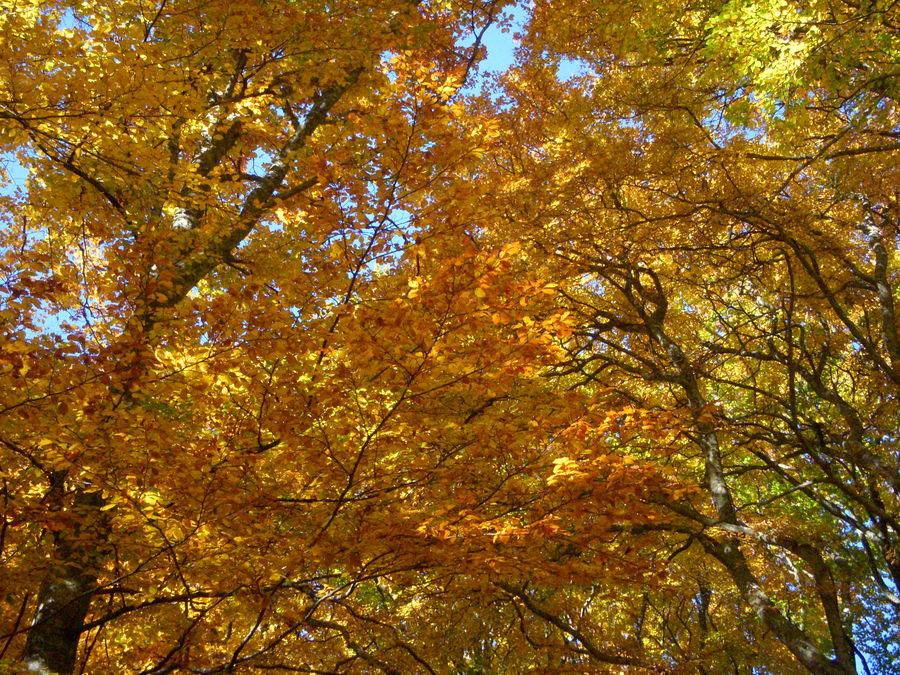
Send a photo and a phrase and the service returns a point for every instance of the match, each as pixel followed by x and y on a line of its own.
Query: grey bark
pixel 65 594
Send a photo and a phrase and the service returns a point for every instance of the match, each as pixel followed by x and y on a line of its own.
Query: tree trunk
pixel 63 603
pixel 65 594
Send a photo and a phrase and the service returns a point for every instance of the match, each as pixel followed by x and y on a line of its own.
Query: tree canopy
pixel 326 349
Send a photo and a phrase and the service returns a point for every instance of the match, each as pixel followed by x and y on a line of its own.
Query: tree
pixel 715 194
pixel 215 189
pixel 316 359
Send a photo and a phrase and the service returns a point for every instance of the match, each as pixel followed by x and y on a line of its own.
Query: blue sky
pixel 501 45
pixel 17 173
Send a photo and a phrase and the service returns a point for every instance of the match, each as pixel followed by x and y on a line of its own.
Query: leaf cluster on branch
pixel 323 351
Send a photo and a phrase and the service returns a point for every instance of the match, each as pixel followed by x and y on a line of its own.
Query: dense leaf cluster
pixel 322 351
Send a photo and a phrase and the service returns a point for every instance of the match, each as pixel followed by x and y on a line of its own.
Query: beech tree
pixel 715 192
pixel 323 353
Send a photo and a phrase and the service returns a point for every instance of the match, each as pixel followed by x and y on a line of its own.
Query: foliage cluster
pixel 323 352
